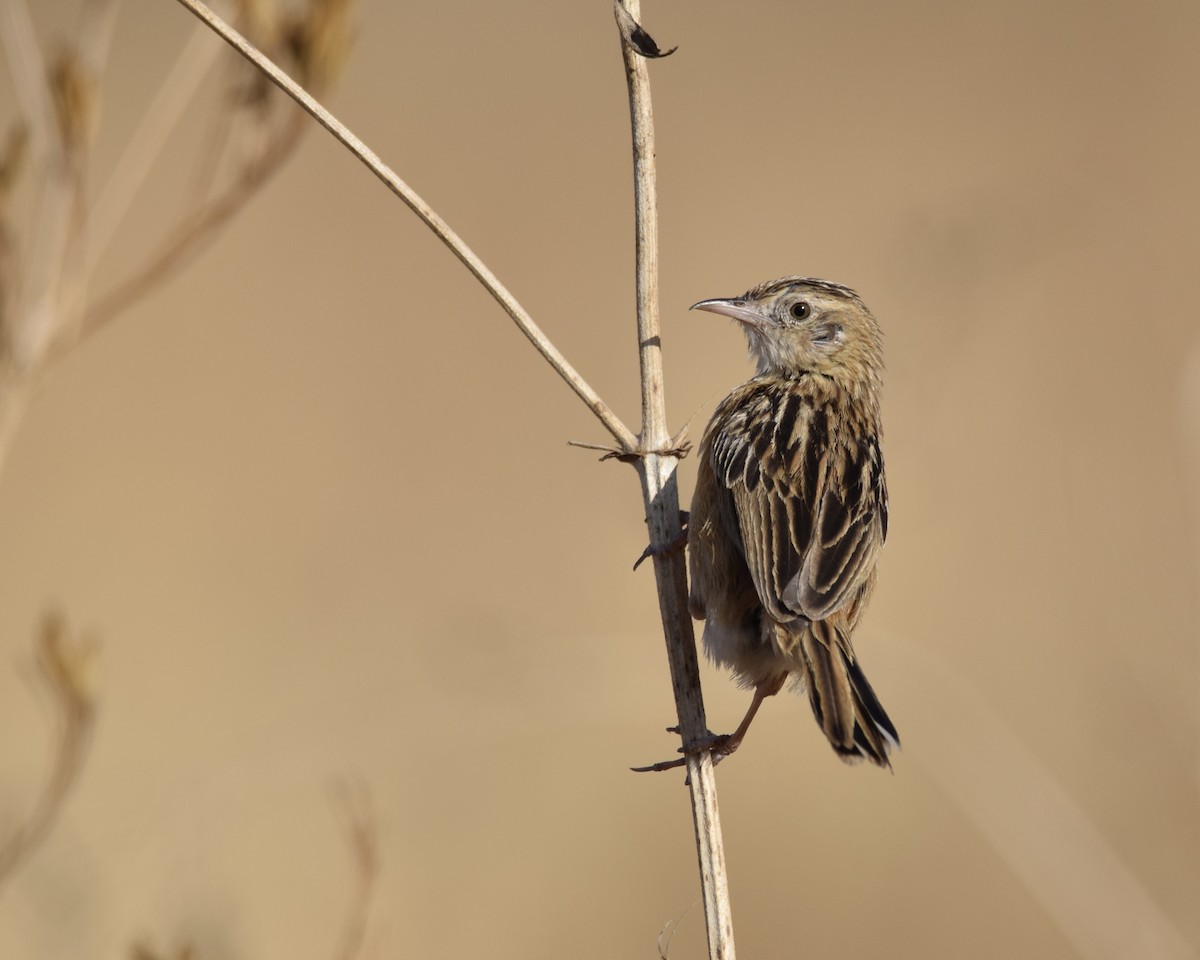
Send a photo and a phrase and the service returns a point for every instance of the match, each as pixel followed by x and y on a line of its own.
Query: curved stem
pixel 63 661
pixel 621 433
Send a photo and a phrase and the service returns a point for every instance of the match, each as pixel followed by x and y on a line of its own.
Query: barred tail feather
pixel 842 700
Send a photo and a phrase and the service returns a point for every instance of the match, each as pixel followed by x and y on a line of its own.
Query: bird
pixel 791 509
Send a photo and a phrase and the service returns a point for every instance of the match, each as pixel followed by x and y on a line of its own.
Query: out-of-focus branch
pixel 195 232
pixel 364 854
pixel 52 102
pixel 143 951
pixel 142 149
pixel 98 18
pixel 1034 825
pixel 316 42
pixel 46 272
pixel 65 663
pixel 30 77
pixel 364 851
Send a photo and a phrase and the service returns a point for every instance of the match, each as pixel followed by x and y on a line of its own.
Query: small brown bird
pixel 791 509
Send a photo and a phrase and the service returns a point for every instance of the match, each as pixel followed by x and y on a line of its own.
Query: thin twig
pixel 32 317
pixel 364 848
pixel 195 232
pixel 97 21
pixel 1035 825
pixel 64 665
pixel 621 433
pixel 661 495
pixel 30 81
pixel 668 931
pixel 196 229
pixel 116 197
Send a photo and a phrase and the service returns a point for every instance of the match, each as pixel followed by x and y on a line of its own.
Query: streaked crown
pixel 798 325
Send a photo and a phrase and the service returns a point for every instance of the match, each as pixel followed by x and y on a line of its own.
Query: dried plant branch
pixel 97 22
pixel 661 495
pixel 44 281
pixel 65 664
pixel 364 852
pixel 195 232
pixel 53 117
pixel 28 67
pixel 364 849
pixel 621 433
pixel 1036 827
pixel 115 198
pixel 143 951
pixel 313 38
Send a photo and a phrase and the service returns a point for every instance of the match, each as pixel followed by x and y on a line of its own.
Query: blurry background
pixel 315 498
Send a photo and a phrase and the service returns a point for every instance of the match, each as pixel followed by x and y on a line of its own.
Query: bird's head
pixel 801 325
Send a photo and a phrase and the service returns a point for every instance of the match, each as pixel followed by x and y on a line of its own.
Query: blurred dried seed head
pixel 68 663
pixel 261 22
pixel 319 41
pixel 12 165
pixel 12 161
pixel 143 951
pixel 75 101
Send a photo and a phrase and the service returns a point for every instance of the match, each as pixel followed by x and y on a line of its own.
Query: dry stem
pixel 64 664
pixel 190 237
pixel 42 309
pixel 116 197
pixel 364 852
pixel 661 494
pixel 364 849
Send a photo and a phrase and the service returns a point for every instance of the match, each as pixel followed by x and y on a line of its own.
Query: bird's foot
pixel 717 745
pixel 676 543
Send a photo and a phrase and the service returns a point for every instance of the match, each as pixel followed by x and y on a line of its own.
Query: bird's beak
pixel 745 311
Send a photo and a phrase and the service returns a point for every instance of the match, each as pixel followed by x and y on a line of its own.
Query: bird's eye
pixel 800 309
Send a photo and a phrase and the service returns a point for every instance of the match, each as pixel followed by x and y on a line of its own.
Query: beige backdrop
pixel 316 499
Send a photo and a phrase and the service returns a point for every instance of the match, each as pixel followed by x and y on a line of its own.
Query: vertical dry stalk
pixel 654 451
pixel 657 468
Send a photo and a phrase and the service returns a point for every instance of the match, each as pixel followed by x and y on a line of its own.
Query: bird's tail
pixel 842 700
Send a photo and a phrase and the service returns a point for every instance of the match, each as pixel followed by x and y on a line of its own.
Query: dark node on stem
pixel 638 38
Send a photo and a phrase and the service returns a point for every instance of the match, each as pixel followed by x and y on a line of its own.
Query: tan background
pixel 316 499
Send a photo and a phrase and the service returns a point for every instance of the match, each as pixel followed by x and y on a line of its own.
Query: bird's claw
pixel 660 766
pixel 717 745
pixel 677 542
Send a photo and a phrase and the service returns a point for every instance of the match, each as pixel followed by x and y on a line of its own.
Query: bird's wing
pixel 811 503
